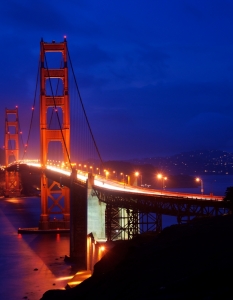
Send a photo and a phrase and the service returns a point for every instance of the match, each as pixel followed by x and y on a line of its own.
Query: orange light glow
pixel 64 278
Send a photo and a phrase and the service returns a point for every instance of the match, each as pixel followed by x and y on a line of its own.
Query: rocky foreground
pixel 189 261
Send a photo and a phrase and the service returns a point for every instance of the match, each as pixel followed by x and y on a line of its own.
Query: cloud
pixel 90 55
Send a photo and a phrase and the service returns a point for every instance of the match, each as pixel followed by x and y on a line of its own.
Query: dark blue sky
pixel 155 76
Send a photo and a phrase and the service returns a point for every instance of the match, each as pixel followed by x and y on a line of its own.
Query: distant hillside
pixel 193 162
pixel 147 177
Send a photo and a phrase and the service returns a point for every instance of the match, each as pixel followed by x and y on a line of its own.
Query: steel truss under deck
pixel 129 214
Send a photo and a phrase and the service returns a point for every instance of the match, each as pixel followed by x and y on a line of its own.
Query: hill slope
pixel 189 261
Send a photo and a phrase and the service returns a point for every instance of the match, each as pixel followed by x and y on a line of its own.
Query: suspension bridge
pixel 59 141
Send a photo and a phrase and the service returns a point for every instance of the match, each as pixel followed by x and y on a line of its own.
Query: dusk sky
pixel 155 76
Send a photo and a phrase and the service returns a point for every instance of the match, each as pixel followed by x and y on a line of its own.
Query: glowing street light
pixel 115 174
pixel 106 173
pixel 198 179
pixel 163 178
pixel 123 175
pixel 138 174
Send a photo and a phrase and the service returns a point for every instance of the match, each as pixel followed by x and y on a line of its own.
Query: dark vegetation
pixel 229 194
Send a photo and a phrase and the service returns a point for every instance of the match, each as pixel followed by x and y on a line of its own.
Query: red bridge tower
pixel 12 178
pixel 51 204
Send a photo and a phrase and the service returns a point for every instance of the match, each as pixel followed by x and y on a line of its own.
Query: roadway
pixel 109 184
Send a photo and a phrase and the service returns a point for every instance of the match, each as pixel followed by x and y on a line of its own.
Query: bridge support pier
pixel 44 222
pixel 95 212
pixel 87 218
pixel 78 224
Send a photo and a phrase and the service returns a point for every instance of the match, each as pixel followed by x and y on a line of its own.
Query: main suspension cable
pixel 84 111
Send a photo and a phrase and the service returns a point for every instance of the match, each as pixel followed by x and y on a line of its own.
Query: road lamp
pixel 138 174
pixel 106 173
pixel 163 178
pixel 115 174
pixel 123 175
pixel 198 179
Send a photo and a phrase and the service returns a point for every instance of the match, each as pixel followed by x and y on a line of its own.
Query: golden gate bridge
pixel 59 141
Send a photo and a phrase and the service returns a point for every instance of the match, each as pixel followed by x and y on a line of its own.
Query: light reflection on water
pixel 30 264
pixel 13 200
